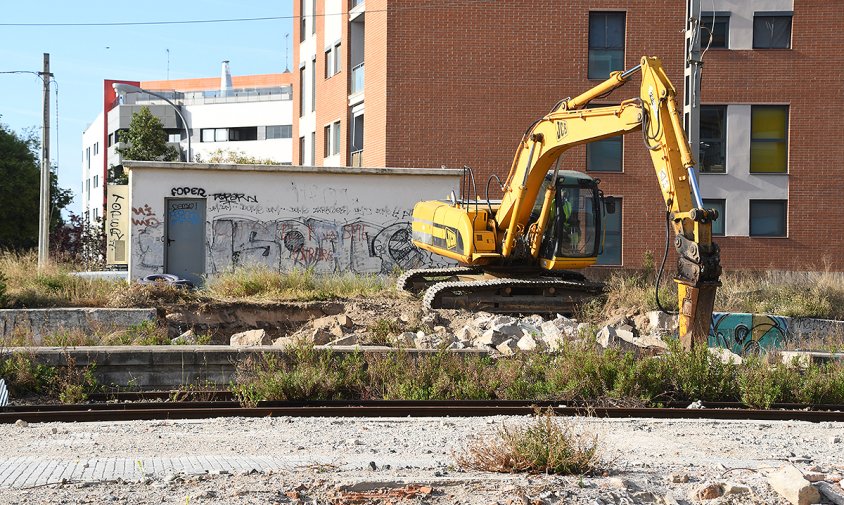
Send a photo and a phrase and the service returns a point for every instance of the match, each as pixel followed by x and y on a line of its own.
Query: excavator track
pixel 416 281
pixel 507 296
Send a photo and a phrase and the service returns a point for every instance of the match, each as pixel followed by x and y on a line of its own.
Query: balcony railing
pixel 357 78
pixel 357 159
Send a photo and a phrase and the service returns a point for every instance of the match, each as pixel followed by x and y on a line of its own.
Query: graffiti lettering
pixel 186 191
pixel 748 333
pixel 234 198
pixel 321 245
pixel 148 217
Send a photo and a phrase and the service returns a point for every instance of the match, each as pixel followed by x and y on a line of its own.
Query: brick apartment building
pixel 457 82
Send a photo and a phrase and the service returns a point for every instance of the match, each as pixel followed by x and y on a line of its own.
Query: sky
pixel 81 57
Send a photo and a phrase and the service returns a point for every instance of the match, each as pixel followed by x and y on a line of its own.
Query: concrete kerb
pixel 148 367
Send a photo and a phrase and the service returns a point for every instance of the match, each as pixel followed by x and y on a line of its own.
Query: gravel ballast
pixel 408 460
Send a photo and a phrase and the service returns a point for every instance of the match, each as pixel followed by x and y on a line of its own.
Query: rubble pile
pixel 493 333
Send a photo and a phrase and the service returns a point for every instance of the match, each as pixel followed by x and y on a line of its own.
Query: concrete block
pixel 250 338
pixel 788 481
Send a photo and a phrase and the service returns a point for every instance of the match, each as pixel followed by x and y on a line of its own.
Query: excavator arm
pixel 654 112
pixel 475 236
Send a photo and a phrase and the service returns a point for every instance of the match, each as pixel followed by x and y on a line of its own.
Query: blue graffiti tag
pixel 747 333
pixel 186 216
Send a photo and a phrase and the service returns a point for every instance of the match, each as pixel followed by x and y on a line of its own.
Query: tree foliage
pixel 146 139
pixel 236 157
pixel 20 181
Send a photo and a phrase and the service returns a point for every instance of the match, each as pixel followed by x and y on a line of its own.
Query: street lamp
pixel 121 88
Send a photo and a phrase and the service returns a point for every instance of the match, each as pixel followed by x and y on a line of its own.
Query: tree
pixel 237 157
pixel 20 180
pixel 146 139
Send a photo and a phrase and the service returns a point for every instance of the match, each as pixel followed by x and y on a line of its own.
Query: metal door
pixel 185 236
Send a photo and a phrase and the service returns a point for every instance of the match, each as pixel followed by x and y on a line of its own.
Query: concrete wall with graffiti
pixel 744 333
pixel 324 219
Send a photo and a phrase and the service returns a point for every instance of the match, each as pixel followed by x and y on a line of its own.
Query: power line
pixel 233 20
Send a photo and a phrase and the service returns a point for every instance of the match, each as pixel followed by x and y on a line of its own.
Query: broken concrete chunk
pixel 507 347
pixel 725 355
pixel 527 343
pixel 831 492
pixel 788 481
pixel 709 491
pixel 456 346
pixel 467 334
pixel 490 337
pixel 405 339
pixel 250 338
pixel 660 322
pixel 347 340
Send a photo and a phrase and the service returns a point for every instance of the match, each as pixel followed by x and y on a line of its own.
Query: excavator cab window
pixel 574 225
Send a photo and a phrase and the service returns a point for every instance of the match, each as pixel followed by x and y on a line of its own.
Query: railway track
pixel 163 410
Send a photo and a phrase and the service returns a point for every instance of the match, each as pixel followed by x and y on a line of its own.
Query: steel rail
pixel 163 411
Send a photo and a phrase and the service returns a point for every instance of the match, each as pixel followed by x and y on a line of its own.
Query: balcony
pixel 357 79
pixel 357 159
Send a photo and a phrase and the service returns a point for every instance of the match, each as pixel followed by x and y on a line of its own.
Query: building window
pixel 720 206
pixel 313 84
pixel 715 31
pixel 771 31
pixel 214 134
pixel 243 133
pixel 337 59
pixel 174 137
pixel 284 131
pixel 606 43
pixel 96 181
pixel 87 185
pixel 301 151
pixel 329 63
pixel 605 155
pixel 96 148
pixel 313 16
pixel 96 214
pixel 110 139
pixel 768 218
pixel 302 20
pixel 313 148
pixel 88 157
pixel 331 139
pixel 769 139
pixel 713 139
pixel 332 60
pixel 611 252
pixel 301 91
pixel 357 133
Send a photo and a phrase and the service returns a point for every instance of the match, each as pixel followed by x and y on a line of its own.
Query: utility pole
pixel 44 212
pixel 691 73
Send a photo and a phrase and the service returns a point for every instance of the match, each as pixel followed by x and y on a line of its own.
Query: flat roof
pixel 230 167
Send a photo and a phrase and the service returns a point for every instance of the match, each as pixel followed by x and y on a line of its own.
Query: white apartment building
pixel 250 115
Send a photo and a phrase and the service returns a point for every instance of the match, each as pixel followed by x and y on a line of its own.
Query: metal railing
pixel 357 78
pixel 357 159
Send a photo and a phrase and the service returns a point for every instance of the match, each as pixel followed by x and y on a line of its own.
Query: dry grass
pixel 262 283
pixel 545 446
pixel 796 294
pixel 54 287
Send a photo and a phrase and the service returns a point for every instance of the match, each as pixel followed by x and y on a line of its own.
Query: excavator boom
pixel 519 232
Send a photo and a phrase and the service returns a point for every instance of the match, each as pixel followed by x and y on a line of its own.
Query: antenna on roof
pixel 168 63
pixel 286 66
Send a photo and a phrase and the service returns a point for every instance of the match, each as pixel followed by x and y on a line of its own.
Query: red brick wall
pixel 332 93
pixel 456 82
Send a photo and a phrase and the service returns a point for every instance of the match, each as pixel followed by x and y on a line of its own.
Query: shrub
pixel 545 446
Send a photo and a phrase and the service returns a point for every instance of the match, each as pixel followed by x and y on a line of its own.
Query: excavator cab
pixel 573 233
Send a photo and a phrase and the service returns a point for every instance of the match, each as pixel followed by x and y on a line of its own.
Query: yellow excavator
pixel 517 254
